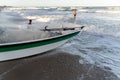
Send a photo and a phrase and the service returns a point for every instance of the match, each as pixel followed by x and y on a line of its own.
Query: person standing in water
pixel 74 13
pixel 30 21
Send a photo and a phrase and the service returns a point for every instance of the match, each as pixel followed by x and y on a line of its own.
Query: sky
pixel 60 2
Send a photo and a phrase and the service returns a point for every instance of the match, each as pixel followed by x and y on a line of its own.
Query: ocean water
pixel 98 44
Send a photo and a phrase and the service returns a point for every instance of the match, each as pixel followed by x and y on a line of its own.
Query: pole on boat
pixel 82 27
pixel 61 29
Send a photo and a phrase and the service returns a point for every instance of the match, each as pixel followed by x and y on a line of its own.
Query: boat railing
pixel 61 29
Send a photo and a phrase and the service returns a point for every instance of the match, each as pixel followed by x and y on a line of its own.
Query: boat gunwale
pixel 37 40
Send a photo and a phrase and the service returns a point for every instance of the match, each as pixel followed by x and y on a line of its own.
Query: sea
pixel 93 54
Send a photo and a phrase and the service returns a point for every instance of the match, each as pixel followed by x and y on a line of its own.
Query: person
pixel 30 21
pixel 29 24
pixel 74 13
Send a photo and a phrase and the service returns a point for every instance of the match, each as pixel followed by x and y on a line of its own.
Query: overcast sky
pixel 60 2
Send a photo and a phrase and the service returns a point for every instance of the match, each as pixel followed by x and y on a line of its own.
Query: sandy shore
pixel 57 66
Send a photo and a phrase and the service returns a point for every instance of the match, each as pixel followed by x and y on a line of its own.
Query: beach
pixel 91 55
pixel 53 66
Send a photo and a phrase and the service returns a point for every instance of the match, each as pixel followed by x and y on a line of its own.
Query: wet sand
pixel 53 66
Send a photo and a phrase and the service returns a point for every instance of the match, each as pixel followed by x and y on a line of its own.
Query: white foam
pixel 97 49
pixel 17 35
pixel 44 18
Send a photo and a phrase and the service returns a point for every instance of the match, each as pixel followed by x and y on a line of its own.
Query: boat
pixel 16 50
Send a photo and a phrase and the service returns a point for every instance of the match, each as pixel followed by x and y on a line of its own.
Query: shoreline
pixel 54 66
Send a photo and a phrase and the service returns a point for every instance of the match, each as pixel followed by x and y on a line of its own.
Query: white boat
pixel 15 50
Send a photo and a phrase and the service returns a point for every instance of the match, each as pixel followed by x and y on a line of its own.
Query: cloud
pixel 60 2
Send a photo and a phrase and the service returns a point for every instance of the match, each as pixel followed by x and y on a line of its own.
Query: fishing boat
pixel 15 50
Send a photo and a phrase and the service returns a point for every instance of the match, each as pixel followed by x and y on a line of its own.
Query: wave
pixel 110 31
pixel 100 11
pixel 45 18
pixel 95 48
pixel 108 10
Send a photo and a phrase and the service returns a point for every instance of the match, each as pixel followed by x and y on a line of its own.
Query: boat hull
pixel 15 51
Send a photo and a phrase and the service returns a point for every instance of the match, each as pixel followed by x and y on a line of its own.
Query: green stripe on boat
pixel 36 43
